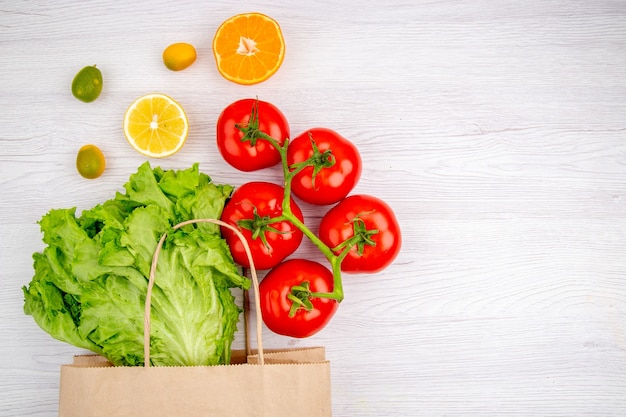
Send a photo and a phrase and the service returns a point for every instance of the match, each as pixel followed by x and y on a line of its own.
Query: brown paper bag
pixel 265 383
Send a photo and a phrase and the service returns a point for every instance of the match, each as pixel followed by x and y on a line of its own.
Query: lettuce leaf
pixel 91 278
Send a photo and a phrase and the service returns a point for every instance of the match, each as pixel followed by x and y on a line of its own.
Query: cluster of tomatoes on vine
pixel 358 234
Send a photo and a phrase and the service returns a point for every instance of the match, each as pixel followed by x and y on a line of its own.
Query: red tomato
pixel 276 306
pixel 250 207
pixel 377 241
pixel 251 153
pixel 334 176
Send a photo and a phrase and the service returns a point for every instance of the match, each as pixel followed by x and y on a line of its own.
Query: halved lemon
pixel 156 125
pixel 248 48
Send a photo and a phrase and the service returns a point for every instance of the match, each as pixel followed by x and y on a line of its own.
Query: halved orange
pixel 248 48
pixel 156 125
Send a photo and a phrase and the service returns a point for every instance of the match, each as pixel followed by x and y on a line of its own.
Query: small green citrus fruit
pixel 90 162
pixel 87 84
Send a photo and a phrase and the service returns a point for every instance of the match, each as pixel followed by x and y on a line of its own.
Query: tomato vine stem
pixel 288 174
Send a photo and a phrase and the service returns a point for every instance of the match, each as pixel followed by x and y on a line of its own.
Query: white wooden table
pixel 496 130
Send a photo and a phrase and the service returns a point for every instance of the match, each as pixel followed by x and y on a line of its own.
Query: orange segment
pixel 156 125
pixel 248 48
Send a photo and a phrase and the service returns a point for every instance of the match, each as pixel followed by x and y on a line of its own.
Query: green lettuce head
pixel 91 279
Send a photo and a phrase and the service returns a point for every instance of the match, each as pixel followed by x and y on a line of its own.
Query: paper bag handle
pixel 255 284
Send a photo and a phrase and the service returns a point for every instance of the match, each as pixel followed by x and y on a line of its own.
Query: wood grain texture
pixel 496 131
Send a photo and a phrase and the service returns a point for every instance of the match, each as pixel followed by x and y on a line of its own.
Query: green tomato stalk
pixel 333 259
pixel 300 295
